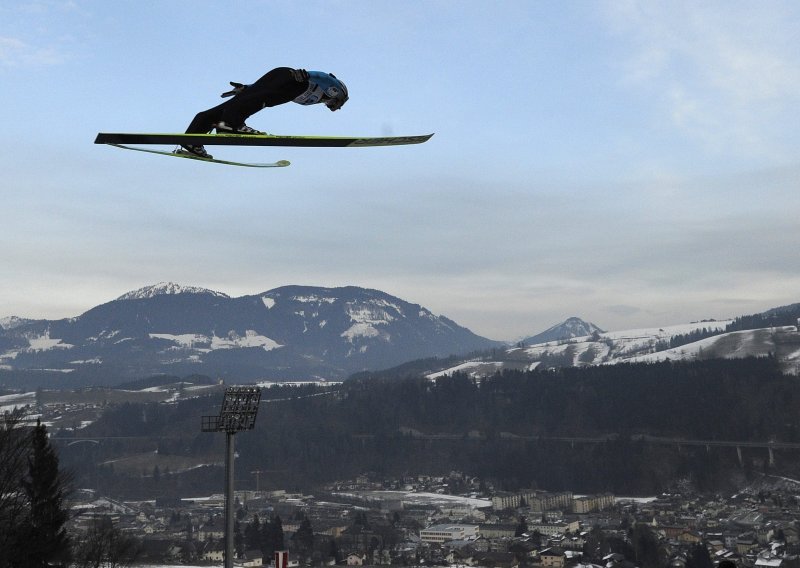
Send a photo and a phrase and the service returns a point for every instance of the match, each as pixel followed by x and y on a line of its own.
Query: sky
pixel 635 164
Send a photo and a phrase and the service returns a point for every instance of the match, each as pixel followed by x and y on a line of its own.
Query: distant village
pixel 458 521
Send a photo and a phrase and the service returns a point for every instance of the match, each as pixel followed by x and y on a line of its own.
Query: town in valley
pixel 456 520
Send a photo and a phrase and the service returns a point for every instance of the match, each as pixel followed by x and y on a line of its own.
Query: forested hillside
pixel 505 429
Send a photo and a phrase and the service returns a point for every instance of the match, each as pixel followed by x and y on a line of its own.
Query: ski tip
pixel 283 163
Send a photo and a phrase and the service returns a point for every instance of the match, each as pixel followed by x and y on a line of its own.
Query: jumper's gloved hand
pixel 237 88
pixel 300 75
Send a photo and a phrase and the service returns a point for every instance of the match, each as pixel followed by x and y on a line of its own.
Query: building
pixel 554 529
pixel 443 533
pixel 497 530
pixel 552 558
pixel 251 559
pixel 354 559
pixel 503 501
pixel 213 552
pixel 536 500
pixel 592 503
pixel 543 501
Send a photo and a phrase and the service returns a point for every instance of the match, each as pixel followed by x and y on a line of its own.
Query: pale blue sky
pixel 631 163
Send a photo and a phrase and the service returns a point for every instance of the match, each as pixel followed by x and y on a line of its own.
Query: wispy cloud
pixel 727 74
pixel 32 32
pixel 14 53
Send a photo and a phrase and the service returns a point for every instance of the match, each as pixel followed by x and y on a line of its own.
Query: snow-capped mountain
pixel 286 333
pixel 699 340
pixel 569 328
pixel 11 322
pixel 165 288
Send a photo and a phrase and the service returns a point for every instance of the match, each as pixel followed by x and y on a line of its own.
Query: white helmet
pixel 335 95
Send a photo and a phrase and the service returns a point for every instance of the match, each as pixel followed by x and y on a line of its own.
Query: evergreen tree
pixel 361 520
pixel 645 545
pixel 238 538
pixel 252 534
pixel 44 534
pixel 304 537
pixel 272 536
pixel 333 551
pixel 699 557
pixel 13 508
pixel 522 527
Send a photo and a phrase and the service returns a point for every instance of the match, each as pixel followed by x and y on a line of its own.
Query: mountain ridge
pixel 285 333
pixel 687 342
pixel 167 288
pixel 568 329
pixel 298 332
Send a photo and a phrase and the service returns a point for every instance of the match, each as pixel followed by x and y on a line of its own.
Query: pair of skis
pixel 124 140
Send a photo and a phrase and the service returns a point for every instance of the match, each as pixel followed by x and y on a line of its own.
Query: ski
pixel 257 140
pixel 278 164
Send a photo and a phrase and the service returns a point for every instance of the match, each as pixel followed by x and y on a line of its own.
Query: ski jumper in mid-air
pixel 279 86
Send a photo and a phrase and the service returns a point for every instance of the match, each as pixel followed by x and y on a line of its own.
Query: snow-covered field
pixel 9 402
pixel 422 498
pixel 472 368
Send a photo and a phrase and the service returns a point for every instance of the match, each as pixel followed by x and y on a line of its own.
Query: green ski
pixel 278 164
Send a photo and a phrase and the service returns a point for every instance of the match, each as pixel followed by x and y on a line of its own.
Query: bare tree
pixel 104 545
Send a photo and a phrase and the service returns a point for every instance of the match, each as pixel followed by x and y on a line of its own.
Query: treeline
pixel 686 338
pixel 778 317
pixel 502 429
pixel 785 315
pixel 742 399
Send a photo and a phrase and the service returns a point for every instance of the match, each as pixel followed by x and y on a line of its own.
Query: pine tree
pixel 522 527
pixel 272 536
pixel 304 537
pixel 333 551
pixel 645 544
pixel 252 534
pixel 14 446
pixel 699 557
pixel 44 532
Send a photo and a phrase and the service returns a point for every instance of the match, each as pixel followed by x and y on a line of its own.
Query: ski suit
pixel 279 86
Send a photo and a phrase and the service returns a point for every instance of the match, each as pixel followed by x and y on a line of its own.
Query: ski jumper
pixel 279 86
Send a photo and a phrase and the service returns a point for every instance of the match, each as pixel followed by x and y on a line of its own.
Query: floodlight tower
pixel 239 410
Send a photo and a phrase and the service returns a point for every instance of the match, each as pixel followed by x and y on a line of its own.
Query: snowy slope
pixel 167 288
pixel 641 345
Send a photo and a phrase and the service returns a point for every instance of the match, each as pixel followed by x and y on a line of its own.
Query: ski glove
pixel 237 88
pixel 300 75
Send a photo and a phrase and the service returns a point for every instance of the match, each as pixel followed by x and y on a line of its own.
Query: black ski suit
pixel 279 86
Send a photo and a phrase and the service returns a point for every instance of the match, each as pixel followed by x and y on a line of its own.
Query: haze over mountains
pixel 304 332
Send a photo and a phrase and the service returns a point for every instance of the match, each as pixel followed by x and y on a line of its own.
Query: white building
pixel 444 533
pixel 554 529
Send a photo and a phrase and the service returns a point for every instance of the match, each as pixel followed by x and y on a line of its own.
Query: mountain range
pixel 686 342
pixel 292 332
pixel 316 333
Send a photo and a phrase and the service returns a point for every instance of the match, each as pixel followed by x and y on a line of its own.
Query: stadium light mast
pixel 238 413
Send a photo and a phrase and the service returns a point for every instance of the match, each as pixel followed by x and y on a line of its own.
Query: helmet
pixel 335 95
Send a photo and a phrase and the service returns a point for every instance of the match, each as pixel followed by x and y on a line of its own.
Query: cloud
pixel 15 53
pixel 32 33
pixel 726 74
